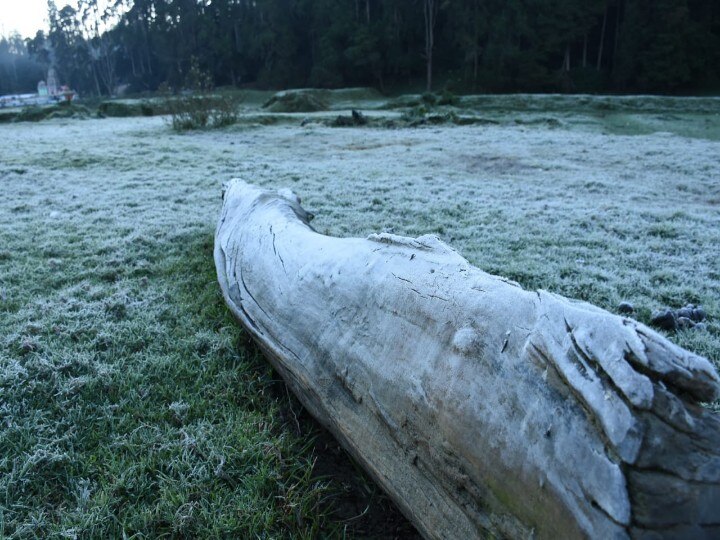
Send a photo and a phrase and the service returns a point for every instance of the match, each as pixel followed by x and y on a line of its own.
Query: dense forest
pixel 659 46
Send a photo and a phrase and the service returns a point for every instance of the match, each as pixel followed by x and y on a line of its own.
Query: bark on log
pixel 482 409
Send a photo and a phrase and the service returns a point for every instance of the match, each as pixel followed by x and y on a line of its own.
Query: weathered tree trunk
pixel 481 408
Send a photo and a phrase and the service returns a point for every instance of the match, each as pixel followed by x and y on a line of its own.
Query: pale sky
pixel 24 16
pixel 29 16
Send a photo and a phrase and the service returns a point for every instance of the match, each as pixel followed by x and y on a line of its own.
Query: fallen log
pixel 482 409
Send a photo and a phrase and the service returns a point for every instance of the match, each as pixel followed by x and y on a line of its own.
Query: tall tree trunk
pixel 236 34
pixel 14 71
pixel 476 46
pixel 141 60
pixel 147 48
pixel 430 14
pixel 429 72
pixel 131 54
pixel 107 64
pixel 397 21
pixel 617 32
pixel 566 59
pixel 95 78
pixel 602 39
pixel 476 62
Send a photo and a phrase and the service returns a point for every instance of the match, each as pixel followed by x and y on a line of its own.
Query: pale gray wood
pixel 482 409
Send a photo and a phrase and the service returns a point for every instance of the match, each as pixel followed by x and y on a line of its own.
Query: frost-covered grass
pixel 131 403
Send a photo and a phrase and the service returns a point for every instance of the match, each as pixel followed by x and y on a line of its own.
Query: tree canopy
pixel 661 46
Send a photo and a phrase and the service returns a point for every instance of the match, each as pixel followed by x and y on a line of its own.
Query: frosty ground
pixel 131 403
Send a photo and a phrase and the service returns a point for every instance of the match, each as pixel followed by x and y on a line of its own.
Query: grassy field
pixel 132 405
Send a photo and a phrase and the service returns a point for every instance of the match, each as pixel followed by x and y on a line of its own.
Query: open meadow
pixel 132 405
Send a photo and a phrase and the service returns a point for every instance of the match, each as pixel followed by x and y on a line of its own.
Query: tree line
pixel 660 46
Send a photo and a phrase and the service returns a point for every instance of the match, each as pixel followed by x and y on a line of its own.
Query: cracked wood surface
pixel 482 409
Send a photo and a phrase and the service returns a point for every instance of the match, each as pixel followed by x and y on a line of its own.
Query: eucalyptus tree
pixel 98 40
pixel 69 53
pixel 430 14
pixel 495 45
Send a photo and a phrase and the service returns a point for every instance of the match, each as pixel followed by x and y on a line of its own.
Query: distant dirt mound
pixel 36 114
pixel 428 99
pixel 301 100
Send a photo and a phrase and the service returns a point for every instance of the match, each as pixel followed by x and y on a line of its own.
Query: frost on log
pixel 482 409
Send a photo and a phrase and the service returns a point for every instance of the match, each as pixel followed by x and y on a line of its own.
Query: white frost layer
pixel 586 214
